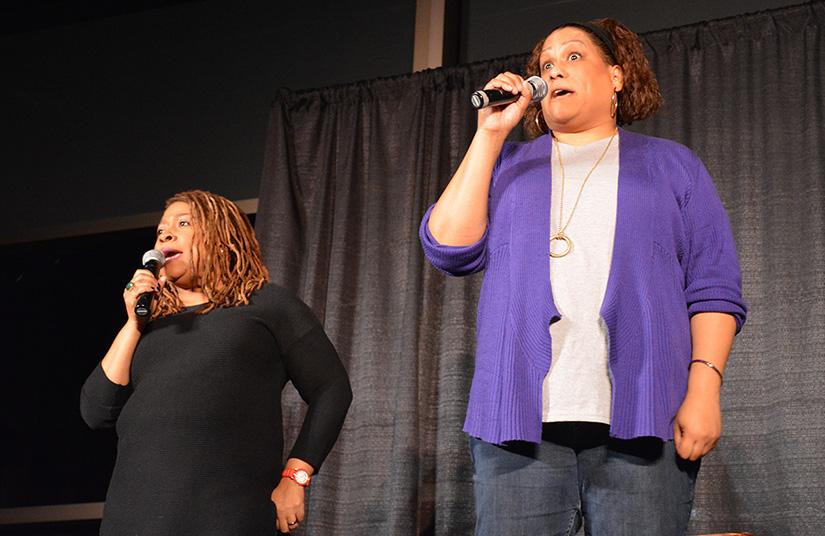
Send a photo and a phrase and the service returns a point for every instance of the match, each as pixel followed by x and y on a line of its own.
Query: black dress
pixel 200 438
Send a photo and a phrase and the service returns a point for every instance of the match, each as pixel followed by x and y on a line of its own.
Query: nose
pixel 165 236
pixel 554 72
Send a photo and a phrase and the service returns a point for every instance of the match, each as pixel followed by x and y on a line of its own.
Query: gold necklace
pixel 560 236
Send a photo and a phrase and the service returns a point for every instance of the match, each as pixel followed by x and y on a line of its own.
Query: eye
pixel 547 66
pixel 183 223
pixel 574 56
pixel 160 231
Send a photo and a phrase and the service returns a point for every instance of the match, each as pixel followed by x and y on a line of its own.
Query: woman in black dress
pixel 195 392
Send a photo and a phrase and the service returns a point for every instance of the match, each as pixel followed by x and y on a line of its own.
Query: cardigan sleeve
pixel 461 260
pixel 713 277
pixel 452 260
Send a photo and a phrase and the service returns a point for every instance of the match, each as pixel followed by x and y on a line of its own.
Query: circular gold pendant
pixel 568 245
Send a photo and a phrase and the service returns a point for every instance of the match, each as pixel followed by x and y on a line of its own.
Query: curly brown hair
pixel 640 97
pixel 229 266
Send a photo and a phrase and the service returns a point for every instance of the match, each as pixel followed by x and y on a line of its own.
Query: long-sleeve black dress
pixel 200 438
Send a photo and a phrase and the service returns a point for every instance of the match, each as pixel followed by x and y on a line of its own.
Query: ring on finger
pixel 292 523
pixel 130 285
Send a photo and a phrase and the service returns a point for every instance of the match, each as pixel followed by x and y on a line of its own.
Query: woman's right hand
pixel 500 120
pixel 142 281
pixel 117 362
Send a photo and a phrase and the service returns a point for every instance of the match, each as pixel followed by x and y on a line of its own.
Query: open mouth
pixel 171 254
pixel 560 93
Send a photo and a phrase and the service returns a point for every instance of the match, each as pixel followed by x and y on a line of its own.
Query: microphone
pixel 152 261
pixel 496 97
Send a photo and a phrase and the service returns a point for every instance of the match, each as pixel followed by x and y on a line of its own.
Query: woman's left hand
pixel 289 505
pixel 698 425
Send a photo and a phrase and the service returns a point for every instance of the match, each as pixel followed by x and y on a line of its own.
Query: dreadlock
pixel 229 266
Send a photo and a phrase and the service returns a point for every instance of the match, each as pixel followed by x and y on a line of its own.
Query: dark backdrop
pixel 108 117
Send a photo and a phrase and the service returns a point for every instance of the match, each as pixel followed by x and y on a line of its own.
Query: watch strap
pixel 299 476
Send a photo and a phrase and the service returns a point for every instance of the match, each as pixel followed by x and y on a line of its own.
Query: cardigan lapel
pixel 632 220
pixel 530 243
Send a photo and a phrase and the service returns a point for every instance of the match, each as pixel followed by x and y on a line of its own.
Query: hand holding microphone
pixel 498 97
pixel 141 289
pixel 503 101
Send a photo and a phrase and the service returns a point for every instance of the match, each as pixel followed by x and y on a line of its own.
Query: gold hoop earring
pixel 614 104
pixel 538 125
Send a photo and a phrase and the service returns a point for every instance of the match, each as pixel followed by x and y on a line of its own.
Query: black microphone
pixel 496 97
pixel 152 261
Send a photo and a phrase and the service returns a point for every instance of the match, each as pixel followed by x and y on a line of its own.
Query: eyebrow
pixel 565 43
pixel 176 216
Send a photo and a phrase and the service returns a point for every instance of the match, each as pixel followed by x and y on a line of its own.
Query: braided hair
pixel 229 266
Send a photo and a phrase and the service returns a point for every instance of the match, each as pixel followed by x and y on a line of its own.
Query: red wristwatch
pixel 299 476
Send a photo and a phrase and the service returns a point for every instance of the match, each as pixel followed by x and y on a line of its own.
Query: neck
pixel 585 136
pixel 191 297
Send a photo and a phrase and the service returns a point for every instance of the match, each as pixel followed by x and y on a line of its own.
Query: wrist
pixel 133 326
pixel 297 475
pixel 491 137
pixel 705 365
pixel 704 380
pixel 703 391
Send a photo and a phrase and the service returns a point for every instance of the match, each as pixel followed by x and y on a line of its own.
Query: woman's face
pixel 580 81
pixel 176 239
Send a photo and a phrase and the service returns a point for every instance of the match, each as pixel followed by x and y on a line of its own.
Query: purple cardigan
pixel 673 256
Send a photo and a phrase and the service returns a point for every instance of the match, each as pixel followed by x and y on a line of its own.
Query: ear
pixel 617 77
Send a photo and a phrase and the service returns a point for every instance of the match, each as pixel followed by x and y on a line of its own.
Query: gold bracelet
pixel 711 365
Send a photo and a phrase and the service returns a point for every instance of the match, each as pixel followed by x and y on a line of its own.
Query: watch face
pixel 301 476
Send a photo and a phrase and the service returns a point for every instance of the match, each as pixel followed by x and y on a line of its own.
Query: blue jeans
pixel 578 475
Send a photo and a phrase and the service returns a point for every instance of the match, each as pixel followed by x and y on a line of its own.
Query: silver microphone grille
pixel 539 87
pixel 154 255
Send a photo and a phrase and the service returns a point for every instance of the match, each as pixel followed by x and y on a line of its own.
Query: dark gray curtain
pixel 748 95
pixel 350 171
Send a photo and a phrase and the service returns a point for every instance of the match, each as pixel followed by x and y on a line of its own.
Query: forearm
pixel 324 419
pixel 712 336
pixel 459 218
pixel 117 362
pixel 319 376
pixel 698 423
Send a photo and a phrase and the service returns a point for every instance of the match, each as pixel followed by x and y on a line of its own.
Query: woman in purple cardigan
pixel 610 301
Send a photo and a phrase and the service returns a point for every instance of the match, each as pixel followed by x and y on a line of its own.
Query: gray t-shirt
pixel 578 386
